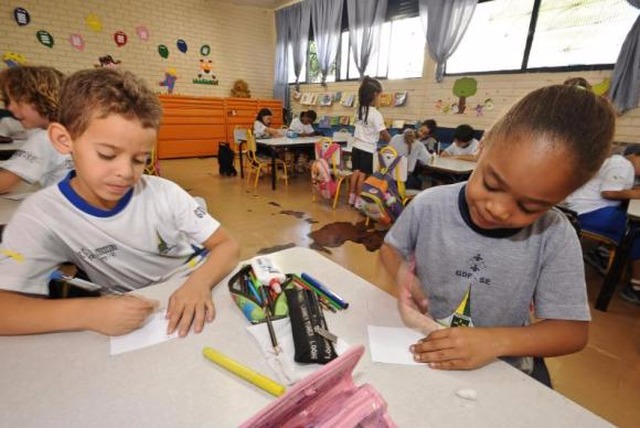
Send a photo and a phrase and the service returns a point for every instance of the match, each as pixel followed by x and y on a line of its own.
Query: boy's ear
pixel 60 138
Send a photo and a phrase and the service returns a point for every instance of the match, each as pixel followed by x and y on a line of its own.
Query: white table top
pixel 634 209
pixel 69 379
pixel 8 207
pixel 284 141
pixel 14 145
pixel 452 165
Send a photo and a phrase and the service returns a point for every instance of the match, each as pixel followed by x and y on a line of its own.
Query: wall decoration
pixel 297 95
pixel 120 38
pixel 205 50
pixel 326 100
pixel 142 32
pixel 463 88
pixel 163 51
pixel 304 99
pixel 313 99
pixel 488 104
pixel 479 108
pixel 438 105
pixel 76 41
pixel 45 38
pixel 205 74
pixel 170 77
pixel 386 99
pixel 21 16
pixel 13 59
pixel 348 100
pixel 602 87
pixel 93 22
pixel 400 98
pixel 324 122
pixel 337 96
pixel 240 89
pixel 107 61
pixel 182 46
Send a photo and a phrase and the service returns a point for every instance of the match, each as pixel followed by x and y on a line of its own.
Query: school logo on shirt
pixel 199 212
pixel 163 247
pixel 27 156
pixel 99 253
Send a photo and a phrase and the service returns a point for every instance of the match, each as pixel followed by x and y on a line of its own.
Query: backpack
pixel 225 160
pixel 381 200
pixel 321 178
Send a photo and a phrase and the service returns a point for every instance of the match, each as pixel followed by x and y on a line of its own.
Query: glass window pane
pixel 292 76
pixel 406 56
pixel 345 54
pixel 314 66
pixel 496 38
pixel 570 32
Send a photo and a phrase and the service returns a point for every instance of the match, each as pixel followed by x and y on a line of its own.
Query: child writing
pixel 369 128
pixel 124 229
pixel 303 125
pixel 484 250
pixel 405 145
pixel 427 135
pixel 31 94
pixel 261 127
pixel 599 207
pixel 464 146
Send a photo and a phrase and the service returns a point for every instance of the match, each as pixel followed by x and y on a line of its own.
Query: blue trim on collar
pixel 77 201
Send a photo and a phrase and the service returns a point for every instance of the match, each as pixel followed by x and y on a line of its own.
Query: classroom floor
pixel 604 378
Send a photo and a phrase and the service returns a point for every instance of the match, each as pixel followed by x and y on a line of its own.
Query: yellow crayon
pixel 261 381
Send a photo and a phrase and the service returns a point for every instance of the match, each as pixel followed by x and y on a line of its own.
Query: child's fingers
pixel 199 317
pixel 186 320
pixel 211 310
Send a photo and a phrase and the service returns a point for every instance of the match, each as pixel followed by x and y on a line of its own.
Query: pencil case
pixel 250 298
pixel 309 328
pixel 327 398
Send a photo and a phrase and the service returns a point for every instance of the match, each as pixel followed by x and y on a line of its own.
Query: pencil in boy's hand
pixel 85 285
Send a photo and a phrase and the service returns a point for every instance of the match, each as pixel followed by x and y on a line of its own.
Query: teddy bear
pixel 240 89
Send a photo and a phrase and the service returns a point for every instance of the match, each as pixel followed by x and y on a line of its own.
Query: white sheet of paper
pixel 153 332
pixel 17 196
pixel 391 344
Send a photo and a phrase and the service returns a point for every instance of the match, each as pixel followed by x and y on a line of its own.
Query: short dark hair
pixel 262 113
pixel 431 124
pixel 463 133
pixel 99 92
pixel 310 114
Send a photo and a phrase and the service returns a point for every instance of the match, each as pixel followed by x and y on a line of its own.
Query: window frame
pixel 527 51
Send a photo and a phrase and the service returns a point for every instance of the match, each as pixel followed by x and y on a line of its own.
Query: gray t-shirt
pixel 490 278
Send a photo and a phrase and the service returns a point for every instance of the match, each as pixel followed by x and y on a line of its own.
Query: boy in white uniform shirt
pixel 303 125
pixel 464 146
pixel 405 145
pixel 31 94
pixel 124 229
pixel 600 210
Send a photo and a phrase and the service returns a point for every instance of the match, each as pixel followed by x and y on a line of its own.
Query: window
pixel 575 34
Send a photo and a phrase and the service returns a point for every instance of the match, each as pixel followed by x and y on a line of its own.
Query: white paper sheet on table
pixel 391 344
pixel 17 196
pixel 153 332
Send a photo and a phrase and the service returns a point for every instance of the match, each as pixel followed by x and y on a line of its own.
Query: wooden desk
pixel 283 142
pixel 614 274
pixel 454 169
pixel 69 379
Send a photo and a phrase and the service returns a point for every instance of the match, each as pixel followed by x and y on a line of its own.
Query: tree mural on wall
pixel 463 88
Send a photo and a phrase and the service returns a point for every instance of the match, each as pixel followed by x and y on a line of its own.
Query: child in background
pixel 405 145
pixel 599 207
pixel 124 229
pixel 303 125
pixel 10 127
pixel 31 94
pixel 369 128
pixel 261 127
pixel 427 135
pixel 464 146
pixel 484 250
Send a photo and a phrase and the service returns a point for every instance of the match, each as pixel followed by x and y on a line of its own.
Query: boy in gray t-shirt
pixel 482 253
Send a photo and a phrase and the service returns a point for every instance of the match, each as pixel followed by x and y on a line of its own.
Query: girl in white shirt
pixel 262 125
pixel 369 128
pixel 405 145
pixel 303 125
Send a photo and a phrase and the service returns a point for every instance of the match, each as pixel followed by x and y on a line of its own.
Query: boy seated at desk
pixel 124 229
pixel 464 146
pixel 600 209
pixel 303 126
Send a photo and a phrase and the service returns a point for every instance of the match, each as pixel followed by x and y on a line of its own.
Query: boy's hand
pixel 412 302
pixel 117 315
pixel 190 304
pixel 457 348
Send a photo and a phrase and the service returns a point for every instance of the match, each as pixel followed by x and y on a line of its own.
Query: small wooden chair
pixel 258 164
pixel 153 164
pixel 239 135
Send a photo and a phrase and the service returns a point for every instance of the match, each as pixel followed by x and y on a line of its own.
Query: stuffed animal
pixel 240 89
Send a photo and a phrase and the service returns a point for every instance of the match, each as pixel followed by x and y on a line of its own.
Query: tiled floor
pixel 604 378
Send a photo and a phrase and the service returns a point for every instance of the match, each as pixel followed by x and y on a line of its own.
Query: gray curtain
pixel 281 79
pixel 365 22
pixel 326 17
pixel 625 83
pixel 300 18
pixel 445 22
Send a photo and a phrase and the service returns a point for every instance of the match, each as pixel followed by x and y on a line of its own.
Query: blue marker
pixel 330 294
pixel 253 290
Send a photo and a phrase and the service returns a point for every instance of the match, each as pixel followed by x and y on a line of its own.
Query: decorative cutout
pixel 76 41
pixel 463 88
pixel 93 22
pixel 182 46
pixel 163 51
pixel 170 77
pixel 120 38
pixel 13 59
pixel 205 50
pixel 21 16
pixel 108 62
pixel 45 38
pixel 400 98
pixel 205 75
pixel 142 32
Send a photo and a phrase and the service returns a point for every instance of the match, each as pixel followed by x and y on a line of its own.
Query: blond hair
pixel 35 85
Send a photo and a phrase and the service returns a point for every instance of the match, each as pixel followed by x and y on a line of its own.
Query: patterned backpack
pixel 321 178
pixel 381 199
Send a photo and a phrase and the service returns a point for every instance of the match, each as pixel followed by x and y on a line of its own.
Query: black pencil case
pixel 309 328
